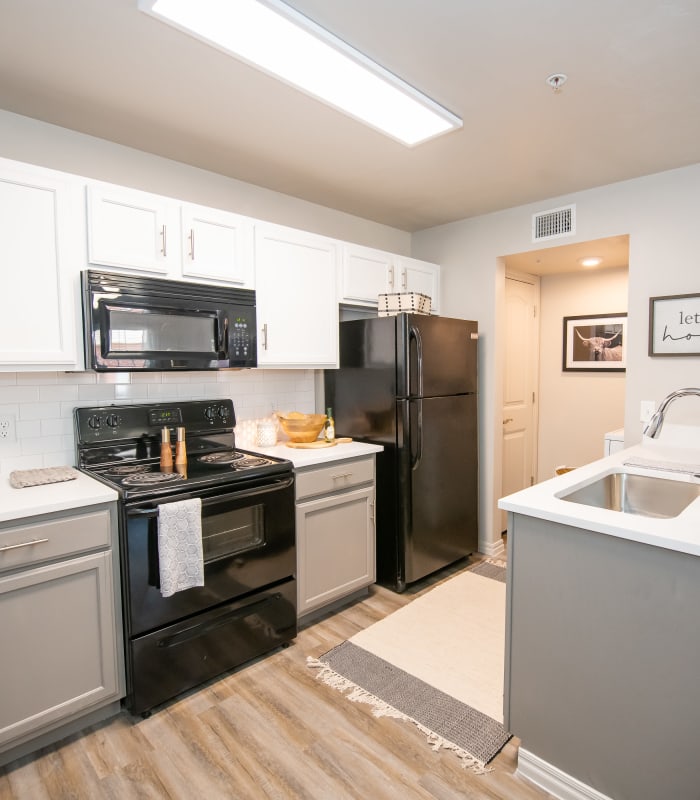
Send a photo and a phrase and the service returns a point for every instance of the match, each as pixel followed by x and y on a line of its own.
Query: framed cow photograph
pixel 595 343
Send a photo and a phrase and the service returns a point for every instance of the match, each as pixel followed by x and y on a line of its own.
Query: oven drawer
pixel 33 543
pixel 178 657
pixel 335 477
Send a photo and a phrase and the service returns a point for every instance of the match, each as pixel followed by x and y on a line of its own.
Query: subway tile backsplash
pixel 42 403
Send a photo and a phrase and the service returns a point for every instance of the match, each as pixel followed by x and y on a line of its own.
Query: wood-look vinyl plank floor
pixel 267 731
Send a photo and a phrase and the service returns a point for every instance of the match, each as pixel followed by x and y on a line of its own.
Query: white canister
pixel 266 435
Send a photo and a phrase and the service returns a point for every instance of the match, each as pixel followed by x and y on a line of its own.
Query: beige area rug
pixel 437 662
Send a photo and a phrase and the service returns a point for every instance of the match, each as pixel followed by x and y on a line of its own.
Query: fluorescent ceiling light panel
pixel 273 37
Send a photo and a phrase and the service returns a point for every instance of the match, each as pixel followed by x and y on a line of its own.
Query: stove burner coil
pixel 221 458
pixel 131 469
pixel 152 478
pixel 250 461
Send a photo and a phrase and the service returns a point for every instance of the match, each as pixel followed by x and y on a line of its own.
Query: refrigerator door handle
pixel 414 336
pixel 418 429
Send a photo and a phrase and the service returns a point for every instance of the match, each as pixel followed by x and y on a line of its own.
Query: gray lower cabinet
pixel 335 532
pixel 59 625
pixel 602 655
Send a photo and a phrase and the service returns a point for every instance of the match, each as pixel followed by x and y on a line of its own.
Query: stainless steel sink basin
pixel 636 494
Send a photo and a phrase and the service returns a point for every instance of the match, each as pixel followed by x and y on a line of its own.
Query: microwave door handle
pixel 223 337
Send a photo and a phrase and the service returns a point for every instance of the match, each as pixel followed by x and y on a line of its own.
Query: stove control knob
pixel 210 413
pixel 112 421
pixel 222 411
pixel 94 422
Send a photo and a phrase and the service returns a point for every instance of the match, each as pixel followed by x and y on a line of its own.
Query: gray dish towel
pixel 180 546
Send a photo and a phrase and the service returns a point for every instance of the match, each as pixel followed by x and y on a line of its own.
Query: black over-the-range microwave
pixel 135 323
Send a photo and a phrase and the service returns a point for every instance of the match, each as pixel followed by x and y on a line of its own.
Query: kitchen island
pixel 602 639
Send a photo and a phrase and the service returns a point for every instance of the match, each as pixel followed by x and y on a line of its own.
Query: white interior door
pixel 520 386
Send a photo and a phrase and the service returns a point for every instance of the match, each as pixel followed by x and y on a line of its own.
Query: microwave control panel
pixel 242 335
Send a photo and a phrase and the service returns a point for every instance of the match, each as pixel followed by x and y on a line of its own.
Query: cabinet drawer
pixel 335 477
pixel 42 541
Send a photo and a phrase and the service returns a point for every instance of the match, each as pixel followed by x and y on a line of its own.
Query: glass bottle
pixel 329 431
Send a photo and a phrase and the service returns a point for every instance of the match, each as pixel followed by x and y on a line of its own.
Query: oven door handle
pixel 220 498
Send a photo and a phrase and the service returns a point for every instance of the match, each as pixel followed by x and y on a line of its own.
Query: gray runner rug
pixel 448 722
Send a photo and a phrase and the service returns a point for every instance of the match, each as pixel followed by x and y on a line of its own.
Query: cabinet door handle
pixel 22 544
pixel 340 475
pixel 403 280
pixel 164 239
pixel 192 244
pixel 391 276
pixel 506 421
pixel 264 333
pixel 371 511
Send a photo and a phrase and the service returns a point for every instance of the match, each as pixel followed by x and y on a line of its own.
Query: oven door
pixel 248 541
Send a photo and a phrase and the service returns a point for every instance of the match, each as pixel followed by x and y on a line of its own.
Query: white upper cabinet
pixel 148 233
pixel 217 246
pixel 130 229
pixel 297 308
pixel 41 253
pixel 419 276
pixel 366 273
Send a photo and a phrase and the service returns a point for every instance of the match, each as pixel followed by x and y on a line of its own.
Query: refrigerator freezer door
pixel 436 356
pixel 439 494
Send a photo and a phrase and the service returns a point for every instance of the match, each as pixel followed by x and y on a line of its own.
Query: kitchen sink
pixel 636 494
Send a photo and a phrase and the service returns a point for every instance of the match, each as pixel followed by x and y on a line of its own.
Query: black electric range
pixel 246 606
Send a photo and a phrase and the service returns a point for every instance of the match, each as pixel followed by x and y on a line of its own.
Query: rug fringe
pixel 356 694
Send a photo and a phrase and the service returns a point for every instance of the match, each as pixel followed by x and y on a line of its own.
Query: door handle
pixel 506 421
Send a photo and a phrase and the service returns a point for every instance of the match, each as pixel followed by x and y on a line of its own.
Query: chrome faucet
pixel 653 428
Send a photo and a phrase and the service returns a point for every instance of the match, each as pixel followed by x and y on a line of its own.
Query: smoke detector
pixel 557 80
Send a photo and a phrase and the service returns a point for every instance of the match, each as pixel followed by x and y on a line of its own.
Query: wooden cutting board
pixel 318 443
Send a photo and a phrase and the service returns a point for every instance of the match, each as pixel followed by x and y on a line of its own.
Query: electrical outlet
pixel 646 410
pixel 7 428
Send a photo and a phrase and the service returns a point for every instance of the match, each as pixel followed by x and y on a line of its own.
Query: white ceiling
pixel 631 105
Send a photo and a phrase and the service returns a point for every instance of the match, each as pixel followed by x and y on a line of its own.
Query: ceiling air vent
pixel 553 224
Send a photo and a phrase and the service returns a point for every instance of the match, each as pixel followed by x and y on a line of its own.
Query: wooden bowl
pixel 302 427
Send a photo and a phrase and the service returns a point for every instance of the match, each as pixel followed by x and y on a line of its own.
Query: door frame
pixel 534 281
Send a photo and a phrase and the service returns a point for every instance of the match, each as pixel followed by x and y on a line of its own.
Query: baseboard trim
pixel 564 787
pixel 492 549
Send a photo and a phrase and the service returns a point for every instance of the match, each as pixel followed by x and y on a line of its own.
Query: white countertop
pixel 681 533
pixel 34 500
pixel 302 457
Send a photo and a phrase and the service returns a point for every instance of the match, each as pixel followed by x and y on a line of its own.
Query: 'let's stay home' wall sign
pixel 674 325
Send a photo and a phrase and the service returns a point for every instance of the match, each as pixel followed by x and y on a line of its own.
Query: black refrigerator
pixel 409 383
